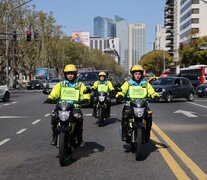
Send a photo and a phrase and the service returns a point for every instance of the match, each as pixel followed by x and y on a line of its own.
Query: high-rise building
pixel 160 39
pixel 122 32
pixel 192 19
pixel 137 43
pixel 169 25
pixel 104 27
pixel 108 46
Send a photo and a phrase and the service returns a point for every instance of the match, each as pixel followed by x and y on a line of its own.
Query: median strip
pixel 186 160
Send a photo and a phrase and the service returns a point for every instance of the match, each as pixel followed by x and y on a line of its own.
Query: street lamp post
pixel 7 39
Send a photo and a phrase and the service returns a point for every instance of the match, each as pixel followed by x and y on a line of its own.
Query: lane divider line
pixel 4 141
pixel 46 115
pixel 21 131
pixel 186 160
pixel 174 166
pixel 198 105
pixel 35 122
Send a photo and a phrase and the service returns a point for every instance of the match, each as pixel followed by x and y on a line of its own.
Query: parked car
pixel 4 93
pixel 44 82
pixel 201 90
pixel 35 84
pixel 52 83
pixel 174 87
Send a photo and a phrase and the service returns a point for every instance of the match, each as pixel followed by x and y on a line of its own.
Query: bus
pixel 199 70
pixel 45 73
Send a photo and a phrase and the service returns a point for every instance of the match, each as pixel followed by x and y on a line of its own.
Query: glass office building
pixel 122 32
pixel 104 27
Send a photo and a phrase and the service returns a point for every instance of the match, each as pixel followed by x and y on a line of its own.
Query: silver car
pixel 4 93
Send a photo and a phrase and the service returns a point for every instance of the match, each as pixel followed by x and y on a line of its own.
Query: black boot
pixel 124 133
pixel 148 129
pixel 54 139
pixel 94 112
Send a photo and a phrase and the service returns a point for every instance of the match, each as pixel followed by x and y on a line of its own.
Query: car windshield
pixel 87 77
pixel 163 81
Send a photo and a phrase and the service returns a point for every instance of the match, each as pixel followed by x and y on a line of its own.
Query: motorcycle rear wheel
pixel 63 148
pixel 138 149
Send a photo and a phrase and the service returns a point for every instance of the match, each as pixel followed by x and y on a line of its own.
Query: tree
pixel 154 61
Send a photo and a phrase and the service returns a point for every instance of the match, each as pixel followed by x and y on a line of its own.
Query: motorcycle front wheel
pixel 138 149
pixel 63 148
pixel 100 117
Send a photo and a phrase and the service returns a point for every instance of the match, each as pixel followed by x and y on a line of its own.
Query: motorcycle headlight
pixel 101 98
pixel 64 115
pixel 138 112
pixel 163 90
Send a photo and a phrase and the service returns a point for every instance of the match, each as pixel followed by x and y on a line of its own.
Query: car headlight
pixel 101 98
pixel 37 84
pixel 138 112
pixel 64 115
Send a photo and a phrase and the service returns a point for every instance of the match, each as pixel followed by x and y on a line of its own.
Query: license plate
pixel 199 91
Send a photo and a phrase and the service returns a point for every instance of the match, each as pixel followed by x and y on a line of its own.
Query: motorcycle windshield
pixel 137 92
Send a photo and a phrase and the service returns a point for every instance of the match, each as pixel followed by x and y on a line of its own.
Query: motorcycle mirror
pixel 87 90
pixel 118 89
pixel 46 91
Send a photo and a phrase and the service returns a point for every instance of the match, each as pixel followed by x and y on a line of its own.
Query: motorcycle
pixel 102 107
pixel 67 129
pixel 137 126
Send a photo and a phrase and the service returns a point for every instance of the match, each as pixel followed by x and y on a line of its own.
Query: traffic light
pixel 29 34
pixel 14 36
pixel 181 45
pixel 36 35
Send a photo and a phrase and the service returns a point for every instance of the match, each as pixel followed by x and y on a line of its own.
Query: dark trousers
pixel 127 113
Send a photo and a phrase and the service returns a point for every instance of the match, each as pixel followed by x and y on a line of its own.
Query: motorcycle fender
pixel 61 129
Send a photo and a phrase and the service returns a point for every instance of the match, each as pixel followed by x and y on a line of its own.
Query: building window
pixel 195 20
pixel 195 1
pixel 195 11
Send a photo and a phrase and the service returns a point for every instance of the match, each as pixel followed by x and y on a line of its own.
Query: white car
pixel 53 82
pixel 4 93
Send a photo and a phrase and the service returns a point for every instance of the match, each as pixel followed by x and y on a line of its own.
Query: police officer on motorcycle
pixel 68 84
pixel 137 72
pixel 97 87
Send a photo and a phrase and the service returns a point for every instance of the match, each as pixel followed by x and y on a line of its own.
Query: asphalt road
pixel 177 149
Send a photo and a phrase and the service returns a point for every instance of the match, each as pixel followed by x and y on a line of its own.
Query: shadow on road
pixel 85 150
pixel 108 121
pixel 148 148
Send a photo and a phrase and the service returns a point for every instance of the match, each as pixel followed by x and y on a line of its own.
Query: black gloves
pixel 112 93
pixel 156 99
pixel 119 98
pixel 49 101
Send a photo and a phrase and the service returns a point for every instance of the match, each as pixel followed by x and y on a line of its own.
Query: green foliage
pixel 154 61
pixel 193 53
pixel 53 48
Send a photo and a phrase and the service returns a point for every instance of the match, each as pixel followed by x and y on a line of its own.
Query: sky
pixel 78 15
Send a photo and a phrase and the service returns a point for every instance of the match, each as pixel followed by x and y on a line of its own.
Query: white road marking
pixel 6 104
pixel 186 113
pixel 13 102
pixel 91 114
pixel 4 141
pixel 21 131
pixel 11 117
pixel 198 104
pixel 46 115
pixel 35 122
